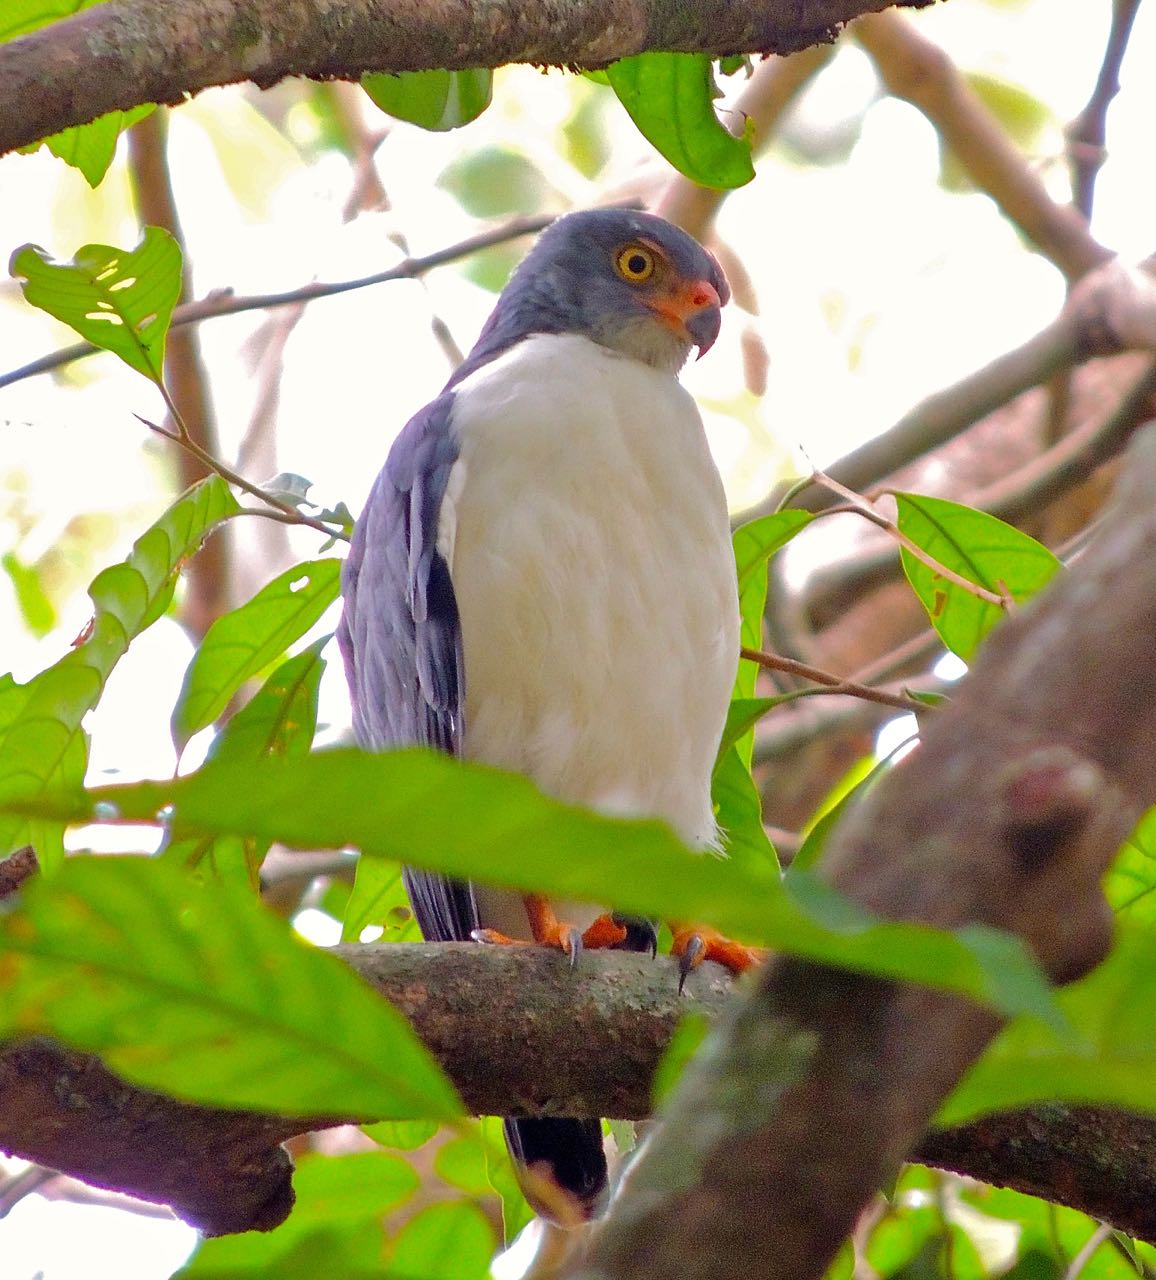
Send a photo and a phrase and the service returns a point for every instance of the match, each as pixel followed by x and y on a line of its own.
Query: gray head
pixel 630 281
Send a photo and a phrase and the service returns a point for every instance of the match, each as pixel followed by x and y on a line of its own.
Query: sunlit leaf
pixel 494 181
pixel 1130 885
pixel 437 100
pixel 379 898
pixel 448 1241
pixel 19 17
pixel 739 812
pixel 754 544
pixel 404 1135
pixel 516 1212
pixel 670 97
pixel 1111 1060
pixel 118 299
pixel 198 991
pixel 335 1195
pixel 42 746
pixel 981 549
pixel 91 147
pixel 474 822
pixel 35 606
pixel 240 644
pixel 280 719
pixel 1021 115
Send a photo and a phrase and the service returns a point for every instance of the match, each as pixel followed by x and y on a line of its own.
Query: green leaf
pixel 437 100
pixel 981 549
pixel 493 181
pixel 742 716
pixel 516 1212
pixel 42 746
pixel 683 1045
pixel 279 720
pixel 1130 886
pixel 754 544
pixel 405 1135
pixel 91 147
pixel 198 991
pixel 1110 1060
pixel 835 804
pixel 739 812
pixel 379 898
pixel 449 1241
pixel 669 96
pixel 332 1195
pixel 462 1163
pixel 475 822
pixel 119 300
pixel 19 17
pixel 243 642
pixel 35 606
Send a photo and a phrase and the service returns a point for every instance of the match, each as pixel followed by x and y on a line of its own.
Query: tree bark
pixel 127 52
pixel 821 1082
pixel 601 1029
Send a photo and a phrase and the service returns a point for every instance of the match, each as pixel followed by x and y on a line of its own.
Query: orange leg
pixel 549 931
pixel 692 945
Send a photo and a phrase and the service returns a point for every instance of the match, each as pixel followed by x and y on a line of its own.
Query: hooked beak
pixel 695 311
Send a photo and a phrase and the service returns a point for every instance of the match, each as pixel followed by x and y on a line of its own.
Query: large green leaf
pixel 1111 1062
pixel 336 1197
pixel 754 544
pixel 448 1241
pixel 739 811
pixel 279 720
pixel 981 549
pixel 479 823
pixel 91 147
pixel 242 643
pixel 119 300
pixel 198 991
pixel 1130 886
pixel 42 746
pixel 670 97
pixel 437 100
pixel 379 898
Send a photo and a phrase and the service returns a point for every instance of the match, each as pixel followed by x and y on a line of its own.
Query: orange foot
pixel 549 931
pixel 693 945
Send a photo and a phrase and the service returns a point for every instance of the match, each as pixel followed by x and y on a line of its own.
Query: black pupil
pixel 636 264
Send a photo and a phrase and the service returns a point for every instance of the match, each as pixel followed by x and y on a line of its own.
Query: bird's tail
pixel 561 1166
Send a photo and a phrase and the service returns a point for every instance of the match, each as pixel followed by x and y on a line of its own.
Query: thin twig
pixel 181 437
pixel 224 303
pixel 832 684
pixel 868 512
pixel 1093 1242
pixel 1087 134
pixel 22 1185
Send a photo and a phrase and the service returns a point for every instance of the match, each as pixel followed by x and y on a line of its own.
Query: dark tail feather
pixel 566 1163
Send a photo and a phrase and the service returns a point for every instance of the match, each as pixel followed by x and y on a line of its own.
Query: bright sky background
pixel 876 288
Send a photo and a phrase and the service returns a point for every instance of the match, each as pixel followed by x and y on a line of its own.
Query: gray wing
pixel 399 633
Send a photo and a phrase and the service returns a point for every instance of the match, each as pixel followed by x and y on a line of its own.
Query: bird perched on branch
pixel 542 579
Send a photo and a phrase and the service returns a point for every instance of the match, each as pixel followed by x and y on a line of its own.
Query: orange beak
pixel 693 309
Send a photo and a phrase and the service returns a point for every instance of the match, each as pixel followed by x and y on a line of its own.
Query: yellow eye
pixel 635 263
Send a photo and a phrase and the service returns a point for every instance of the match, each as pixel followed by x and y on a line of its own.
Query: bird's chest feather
pixel 586 531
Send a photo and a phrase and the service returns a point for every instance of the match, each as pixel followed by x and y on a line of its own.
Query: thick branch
pixel 602 1029
pixel 126 52
pixel 821 1082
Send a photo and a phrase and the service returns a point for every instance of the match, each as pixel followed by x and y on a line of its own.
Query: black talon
pixel 693 949
pixel 574 938
pixel 641 935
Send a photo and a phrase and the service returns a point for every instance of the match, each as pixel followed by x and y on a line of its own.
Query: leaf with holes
pixel 981 549
pixel 198 991
pixel 242 643
pixel 42 746
pixel 670 97
pixel 118 299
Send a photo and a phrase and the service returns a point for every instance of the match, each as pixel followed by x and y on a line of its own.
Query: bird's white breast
pixel 586 530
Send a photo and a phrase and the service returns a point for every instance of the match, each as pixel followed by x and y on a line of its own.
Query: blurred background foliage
pixel 870 272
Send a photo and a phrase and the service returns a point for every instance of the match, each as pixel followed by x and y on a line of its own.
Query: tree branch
pixel 820 1083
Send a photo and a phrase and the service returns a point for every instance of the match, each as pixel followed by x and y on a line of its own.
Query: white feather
pixel 586 531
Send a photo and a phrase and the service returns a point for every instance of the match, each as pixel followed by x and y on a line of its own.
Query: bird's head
pixel 630 281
